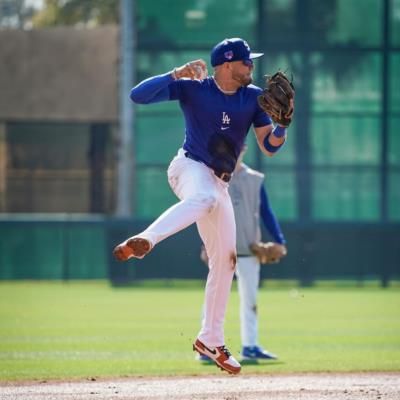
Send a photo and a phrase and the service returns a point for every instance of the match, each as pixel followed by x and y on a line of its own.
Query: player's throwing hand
pixel 196 69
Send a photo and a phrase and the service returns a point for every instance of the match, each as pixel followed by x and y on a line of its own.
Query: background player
pixel 250 201
pixel 218 111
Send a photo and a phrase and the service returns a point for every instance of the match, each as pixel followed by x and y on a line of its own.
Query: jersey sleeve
pixel 182 89
pixel 261 118
pixel 153 90
pixel 175 90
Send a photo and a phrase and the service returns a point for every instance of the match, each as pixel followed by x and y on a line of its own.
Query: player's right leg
pixel 193 183
pixel 136 247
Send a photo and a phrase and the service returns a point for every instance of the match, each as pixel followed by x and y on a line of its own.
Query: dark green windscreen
pixel 334 160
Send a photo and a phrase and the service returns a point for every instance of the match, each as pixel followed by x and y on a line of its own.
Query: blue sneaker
pixel 203 358
pixel 257 353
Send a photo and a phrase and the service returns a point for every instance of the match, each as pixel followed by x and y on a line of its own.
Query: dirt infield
pixel 353 386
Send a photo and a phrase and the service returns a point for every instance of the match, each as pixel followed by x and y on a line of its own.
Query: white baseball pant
pixel 206 201
pixel 248 274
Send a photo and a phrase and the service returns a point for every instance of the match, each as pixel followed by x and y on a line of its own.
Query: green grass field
pixel 66 330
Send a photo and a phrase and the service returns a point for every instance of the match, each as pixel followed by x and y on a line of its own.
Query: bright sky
pixel 34 3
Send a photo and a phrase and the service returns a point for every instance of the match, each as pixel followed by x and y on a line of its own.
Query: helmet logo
pixel 228 55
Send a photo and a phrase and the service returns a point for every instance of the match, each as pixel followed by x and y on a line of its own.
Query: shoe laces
pixel 224 350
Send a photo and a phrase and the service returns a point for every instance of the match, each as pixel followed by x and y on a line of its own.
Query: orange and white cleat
pixel 220 355
pixel 134 247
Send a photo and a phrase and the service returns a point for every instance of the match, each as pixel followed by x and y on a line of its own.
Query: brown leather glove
pixel 268 253
pixel 277 99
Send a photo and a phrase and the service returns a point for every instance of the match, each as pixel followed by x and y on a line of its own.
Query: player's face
pixel 242 71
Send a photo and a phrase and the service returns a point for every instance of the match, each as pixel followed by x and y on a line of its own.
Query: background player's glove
pixel 277 99
pixel 268 253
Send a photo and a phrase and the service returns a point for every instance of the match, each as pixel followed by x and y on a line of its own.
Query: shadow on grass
pixel 249 362
pixel 261 363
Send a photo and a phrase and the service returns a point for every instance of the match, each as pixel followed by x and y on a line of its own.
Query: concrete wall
pixel 59 74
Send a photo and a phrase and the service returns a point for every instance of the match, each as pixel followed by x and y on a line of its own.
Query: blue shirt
pixel 216 124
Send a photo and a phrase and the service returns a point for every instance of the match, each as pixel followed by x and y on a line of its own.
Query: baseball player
pixel 219 111
pixel 250 201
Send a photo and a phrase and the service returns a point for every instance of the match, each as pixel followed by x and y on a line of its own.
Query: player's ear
pixel 228 66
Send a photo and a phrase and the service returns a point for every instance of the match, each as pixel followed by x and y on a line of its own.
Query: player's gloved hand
pixel 277 99
pixel 268 253
pixel 196 69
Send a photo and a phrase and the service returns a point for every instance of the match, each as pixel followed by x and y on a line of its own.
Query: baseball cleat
pixel 220 355
pixel 133 247
pixel 256 353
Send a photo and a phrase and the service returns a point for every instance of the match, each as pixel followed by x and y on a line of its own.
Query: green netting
pixel 281 188
pixel 357 22
pixel 329 22
pixel 394 141
pixel 345 87
pixel 158 137
pixel 203 22
pixel 395 22
pixel 273 61
pixel 345 140
pixel 345 195
pixel 394 81
pixel 394 196
pixel 346 82
pixel 153 192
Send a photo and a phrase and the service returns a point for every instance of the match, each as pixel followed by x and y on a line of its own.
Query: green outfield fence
pixel 80 247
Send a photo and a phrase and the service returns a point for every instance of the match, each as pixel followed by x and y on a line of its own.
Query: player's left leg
pixel 218 232
pixel 248 274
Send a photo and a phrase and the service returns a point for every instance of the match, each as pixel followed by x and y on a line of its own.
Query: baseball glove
pixel 268 253
pixel 277 99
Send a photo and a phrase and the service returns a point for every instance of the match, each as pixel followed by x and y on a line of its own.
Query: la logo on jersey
pixel 225 118
pixel 225 121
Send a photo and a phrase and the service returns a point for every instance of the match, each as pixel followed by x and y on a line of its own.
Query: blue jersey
pixel 216 124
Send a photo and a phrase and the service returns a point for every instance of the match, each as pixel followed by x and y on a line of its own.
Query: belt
pixel 225 176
